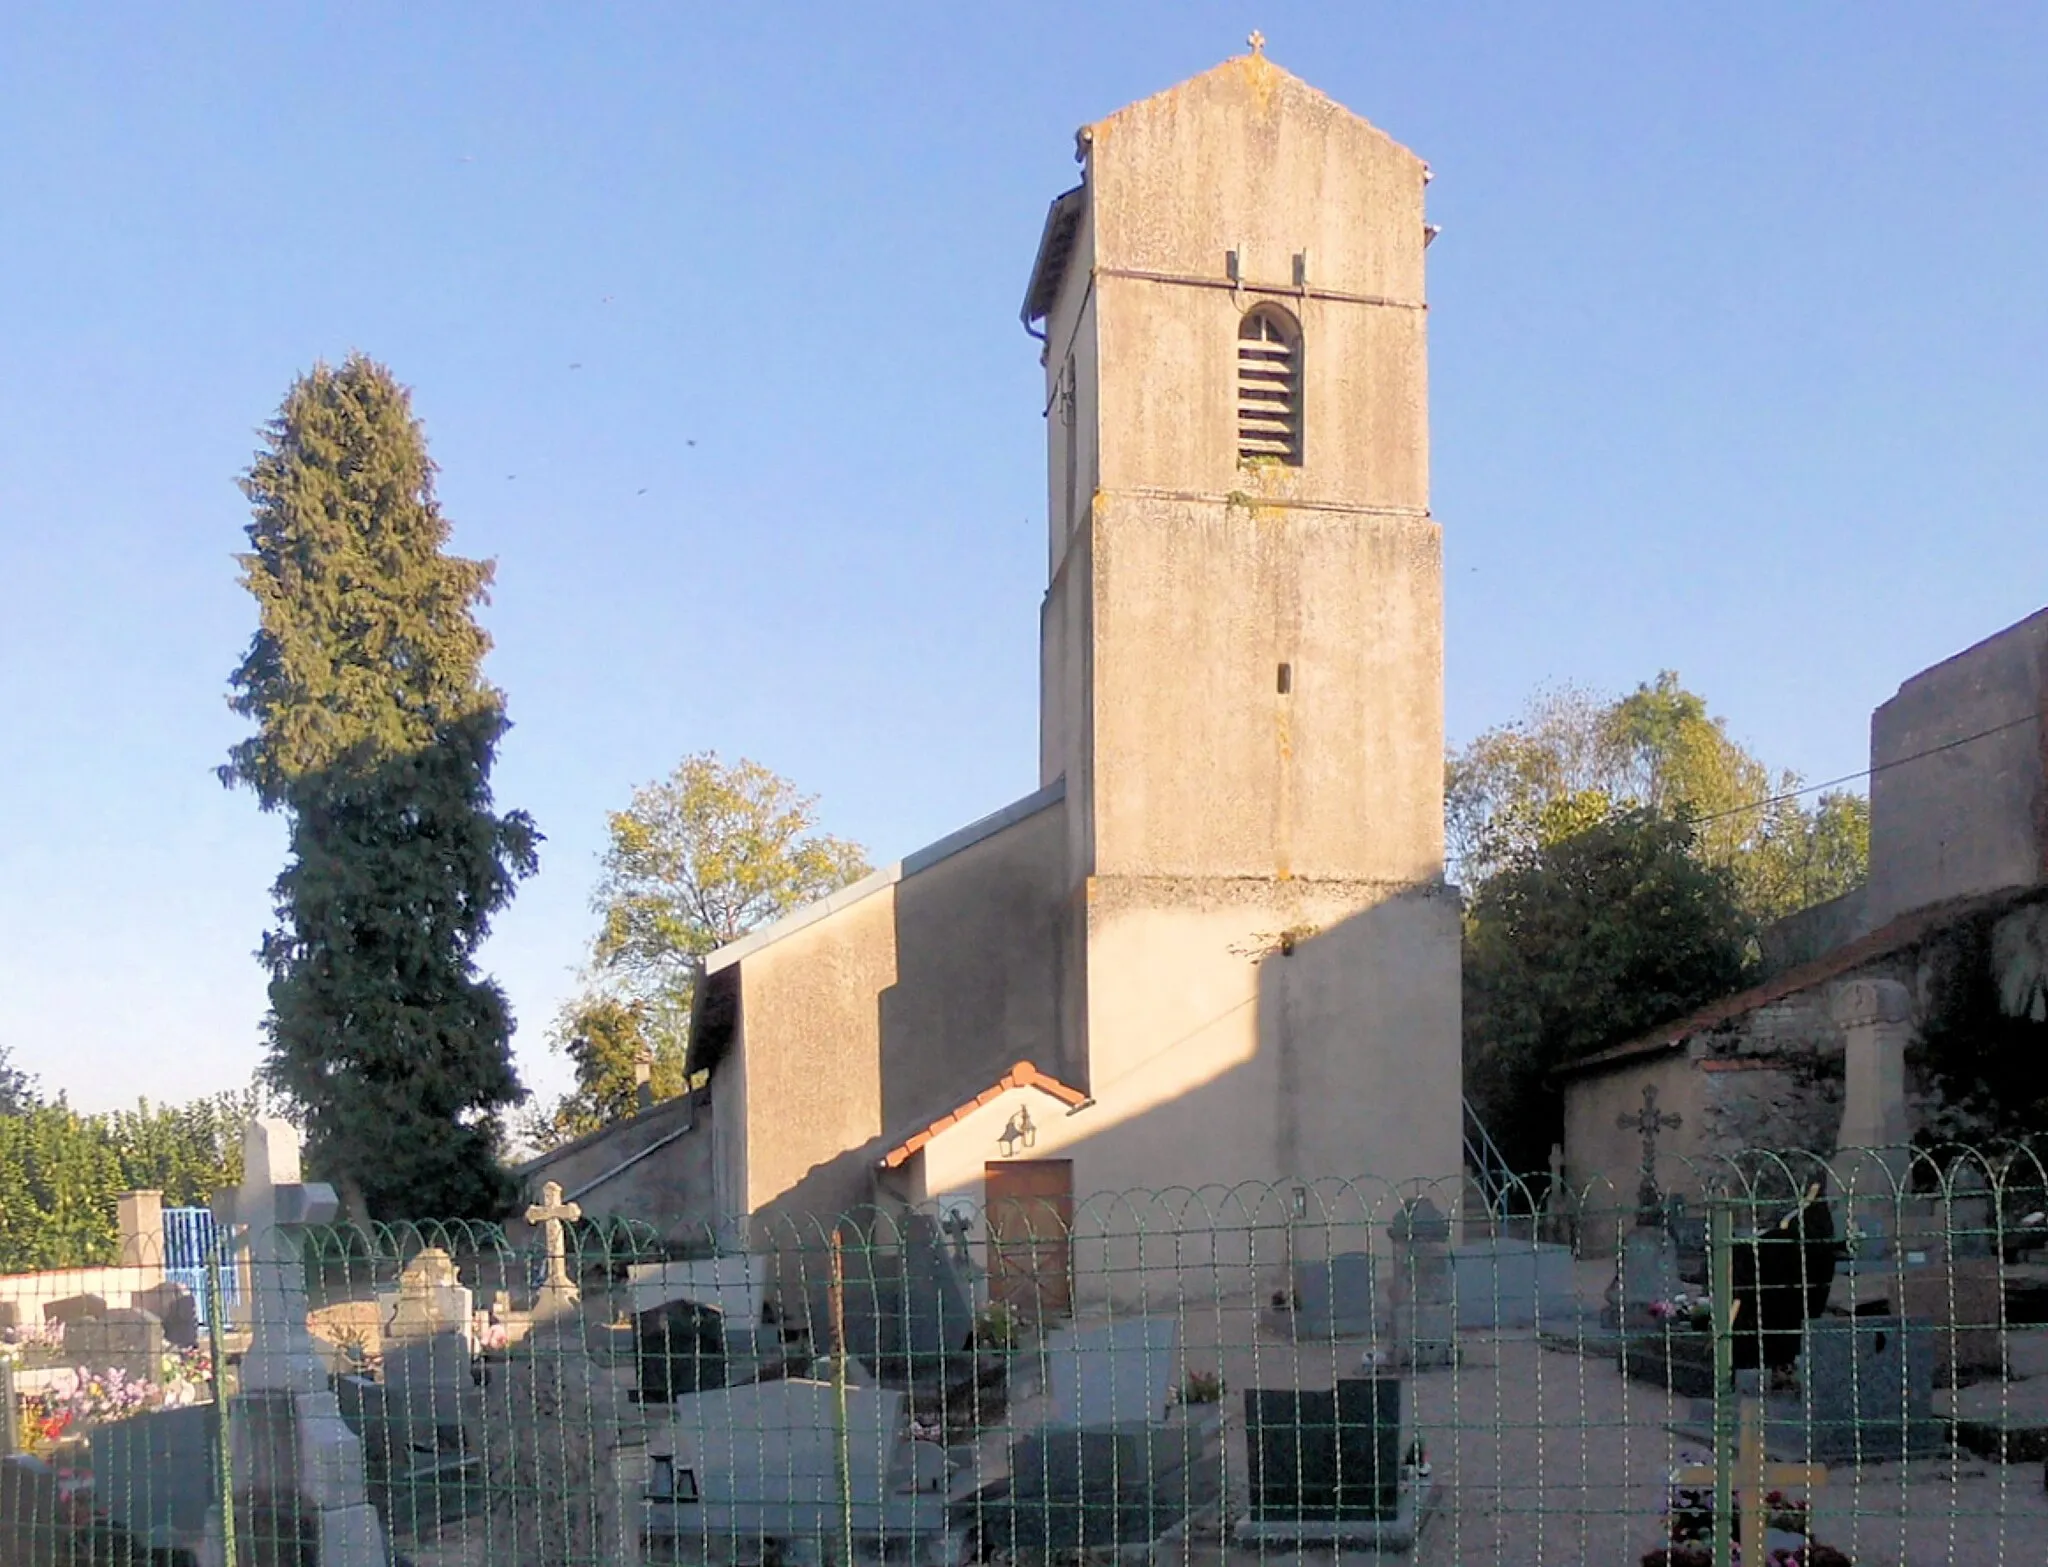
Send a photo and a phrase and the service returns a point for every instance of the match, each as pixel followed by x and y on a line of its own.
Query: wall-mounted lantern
pixel 1020 1133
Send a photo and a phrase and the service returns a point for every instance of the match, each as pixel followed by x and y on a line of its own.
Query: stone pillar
pixel 1875 1016
pixel 1425 1315
pixel 142 1235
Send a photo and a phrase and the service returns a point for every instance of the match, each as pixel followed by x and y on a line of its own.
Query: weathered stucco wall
pixel 1248 158
pixel 1969 819
pixel 655 1167
pixel 1202 766
pixel 877 1015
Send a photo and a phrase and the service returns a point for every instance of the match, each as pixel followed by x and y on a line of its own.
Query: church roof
pixel 1022 1075
pixel 1908 930
pixel 714 1011
pixel 1262 79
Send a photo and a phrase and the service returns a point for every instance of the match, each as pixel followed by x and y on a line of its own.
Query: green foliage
pixel 607 1039
pixel 1585 942
pixel 696 860
pixel 60 1172
pixel 1573 758
pixel 375 734
pixel 701 858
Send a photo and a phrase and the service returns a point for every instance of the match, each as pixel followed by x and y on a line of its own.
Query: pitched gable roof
pixel 1022 1075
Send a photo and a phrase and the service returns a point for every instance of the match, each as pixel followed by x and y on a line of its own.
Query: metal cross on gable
pixel 1649 1121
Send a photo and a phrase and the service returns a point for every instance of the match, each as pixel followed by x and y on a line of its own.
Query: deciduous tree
pixel 698 860
pixel 1582 943
pixel 1572 758
pixel 375 735
pixel 694 861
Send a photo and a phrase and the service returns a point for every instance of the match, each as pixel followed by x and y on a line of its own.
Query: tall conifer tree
pixel 376 732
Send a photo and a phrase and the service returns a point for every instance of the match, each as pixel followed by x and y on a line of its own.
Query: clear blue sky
pixel 1740 319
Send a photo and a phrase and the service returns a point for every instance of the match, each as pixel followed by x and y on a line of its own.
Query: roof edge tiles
pixel 1907 930
pixel 888 875
pixel 1022 1075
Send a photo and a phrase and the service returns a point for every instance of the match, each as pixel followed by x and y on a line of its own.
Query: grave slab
pixel 1338 1297
pixel 1112 1375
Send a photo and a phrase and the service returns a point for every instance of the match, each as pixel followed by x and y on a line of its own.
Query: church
pixel 1214 945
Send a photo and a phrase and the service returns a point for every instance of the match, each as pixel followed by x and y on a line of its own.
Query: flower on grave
pixel 19 1343
pixel 1684 1310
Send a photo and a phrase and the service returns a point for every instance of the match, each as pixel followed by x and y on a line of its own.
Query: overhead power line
pixel 1869 772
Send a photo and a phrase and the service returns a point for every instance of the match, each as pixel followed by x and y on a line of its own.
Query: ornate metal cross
pixel 1649 1121
pixel 557 1288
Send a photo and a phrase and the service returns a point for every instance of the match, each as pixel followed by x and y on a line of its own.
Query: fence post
pixel 1721 1276
pixel 224 1445
pixel 841 1459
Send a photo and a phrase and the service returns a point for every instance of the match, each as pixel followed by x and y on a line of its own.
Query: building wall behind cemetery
pixel 655 1167
pixel 1967 820
pixel 872 1017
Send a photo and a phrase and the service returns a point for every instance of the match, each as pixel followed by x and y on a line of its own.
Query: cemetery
pixel 1405 1378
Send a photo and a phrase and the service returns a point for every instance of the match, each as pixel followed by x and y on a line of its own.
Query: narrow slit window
pixel 1269 387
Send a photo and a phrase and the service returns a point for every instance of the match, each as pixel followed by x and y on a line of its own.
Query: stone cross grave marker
pixel 1649 1121
pixel 557 1291
pixel 270 1206
pixel 288 1436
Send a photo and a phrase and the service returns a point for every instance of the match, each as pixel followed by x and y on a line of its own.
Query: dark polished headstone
pixel 681 1350
pixel 1324 1454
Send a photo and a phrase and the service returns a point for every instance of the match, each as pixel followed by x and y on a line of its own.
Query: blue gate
pixel 188 1241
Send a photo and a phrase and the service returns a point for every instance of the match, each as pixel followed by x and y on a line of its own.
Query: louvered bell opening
pixel 1268 391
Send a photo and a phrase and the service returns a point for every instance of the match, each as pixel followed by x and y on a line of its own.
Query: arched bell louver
pixel 1269 386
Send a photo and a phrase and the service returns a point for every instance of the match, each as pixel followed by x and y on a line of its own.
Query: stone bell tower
pixel 1242 635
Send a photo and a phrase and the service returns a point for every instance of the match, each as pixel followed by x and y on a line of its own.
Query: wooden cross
pixel 1755 1477
pixel 1649 1121
pixel 549 1213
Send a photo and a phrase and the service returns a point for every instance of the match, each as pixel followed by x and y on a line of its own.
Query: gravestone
pixel 174 1306
pixel 1971 1231
pixel 906 1311
pixel 10 1314
pixel 558 1290
pixel 153 1475
pixel 1112 1375
pixel 735 1286
pixel 1509 1283
pixel 550 1431
pixel 74 1308
pixel 761 1462
pixel 290 1444
pixel 1324 1467
pixel 681 1347
pixel 1867 1391
pixel 426 1383
pixel 33 1529
pixel 1336 1298
pixel 1085 1487
pixel 1963 1300
pixel 1424 1327
pixel 1649 1121
pixel 432 1300
pixel 124 1340
pixel 1648 1274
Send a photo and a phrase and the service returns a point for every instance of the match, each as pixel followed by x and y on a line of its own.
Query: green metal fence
pixel 1773 1354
